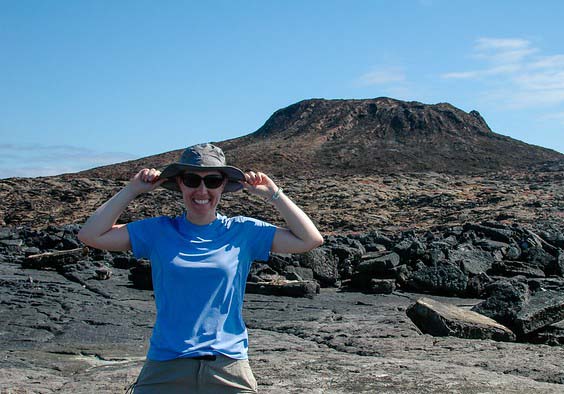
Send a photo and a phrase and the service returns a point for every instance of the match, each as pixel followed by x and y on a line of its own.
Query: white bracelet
pixel 276 194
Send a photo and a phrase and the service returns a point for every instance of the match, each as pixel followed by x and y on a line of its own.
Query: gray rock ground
pixel 62 336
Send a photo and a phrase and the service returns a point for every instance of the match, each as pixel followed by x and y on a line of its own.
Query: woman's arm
pixel 301 234
pixel 100 230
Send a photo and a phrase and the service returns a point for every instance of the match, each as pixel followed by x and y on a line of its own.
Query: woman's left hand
pixel 259 184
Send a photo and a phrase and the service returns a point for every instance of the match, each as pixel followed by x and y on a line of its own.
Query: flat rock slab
pixel 438 319
pixel 292 288
pixel 337 342
pixel 543 309
pixel 551 335
pixel 282 364
pixel 378 263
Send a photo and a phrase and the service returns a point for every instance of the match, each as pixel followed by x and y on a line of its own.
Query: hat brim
pixel 234 175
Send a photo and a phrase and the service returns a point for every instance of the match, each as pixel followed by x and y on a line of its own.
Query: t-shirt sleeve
pixel 261 235
pixel 142 235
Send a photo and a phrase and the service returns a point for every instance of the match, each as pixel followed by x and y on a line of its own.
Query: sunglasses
pixel 194 180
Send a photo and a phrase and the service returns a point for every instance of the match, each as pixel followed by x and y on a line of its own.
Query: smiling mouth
pixel 201 202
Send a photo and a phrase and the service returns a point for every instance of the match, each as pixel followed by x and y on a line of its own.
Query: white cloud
pixel 486 43
pixel 503 51
pixel 382 76
pixel 528 99
pixel 515 74
pixel 556 61
pixel 31 171
pixel 557 116
pixel 461 75
pixel 548 80
pixel 498 70
pixel 31 160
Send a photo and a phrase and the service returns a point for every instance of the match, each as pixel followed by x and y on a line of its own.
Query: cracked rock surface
pixel 63 329
pixel 59 335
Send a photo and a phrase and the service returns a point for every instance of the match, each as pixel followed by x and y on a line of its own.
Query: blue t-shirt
pixel 199 275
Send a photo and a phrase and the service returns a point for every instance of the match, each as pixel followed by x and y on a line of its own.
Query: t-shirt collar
pixel 191 228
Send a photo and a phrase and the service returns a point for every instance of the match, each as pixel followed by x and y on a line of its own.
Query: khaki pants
pixel 184 375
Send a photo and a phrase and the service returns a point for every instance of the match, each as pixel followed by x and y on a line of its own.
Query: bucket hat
pixel 202 157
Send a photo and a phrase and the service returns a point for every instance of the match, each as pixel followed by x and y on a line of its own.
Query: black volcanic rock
pixel 439 319
pixel 524 306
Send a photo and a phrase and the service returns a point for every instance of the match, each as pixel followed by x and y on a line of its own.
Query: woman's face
pixel 201 201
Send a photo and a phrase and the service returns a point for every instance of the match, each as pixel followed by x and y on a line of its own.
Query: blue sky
pixel 89 83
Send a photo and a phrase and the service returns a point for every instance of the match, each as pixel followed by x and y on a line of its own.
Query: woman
pixel 200 262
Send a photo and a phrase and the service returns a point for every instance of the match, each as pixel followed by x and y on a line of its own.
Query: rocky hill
pixel 374 136
pixel 413 166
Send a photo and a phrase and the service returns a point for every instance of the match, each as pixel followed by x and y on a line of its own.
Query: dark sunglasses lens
pixel 213 181
pixel 191 180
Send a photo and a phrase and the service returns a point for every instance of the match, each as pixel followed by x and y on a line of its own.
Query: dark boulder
pixel 381 286
pixel 553 236
pixel 54 260
pixel 436 253
pixel 552 334
pixel 505 298
pixel 280 262
pixel 306 289
pixel 347 251
pixel 410 249
pixel 442 279
pixel 263 272
pixel 559 266
pixel 52 238
pixel 516 268
pixel 323 264
pixel 470 259
pixel 379 265
pixel 545 307
pixel 140 275
pixel 124 261
pixel 375 265
pixel 299 273
pixel 8 233
pixel 402 275
pixel 501 233
pixel 513 252
pixel 536 240
pixel 438 319
pixel 477 285
pixel 491 246
pixel 524 307
pixel 538 257
pixel 369 240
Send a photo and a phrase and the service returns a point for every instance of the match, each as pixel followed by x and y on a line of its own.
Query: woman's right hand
pixel 145 181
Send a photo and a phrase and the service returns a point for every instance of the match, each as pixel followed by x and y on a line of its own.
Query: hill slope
pixel 381 136
pixel 372 136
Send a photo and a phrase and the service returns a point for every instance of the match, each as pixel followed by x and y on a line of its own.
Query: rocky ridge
pixel 348 204
pixel 372 136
